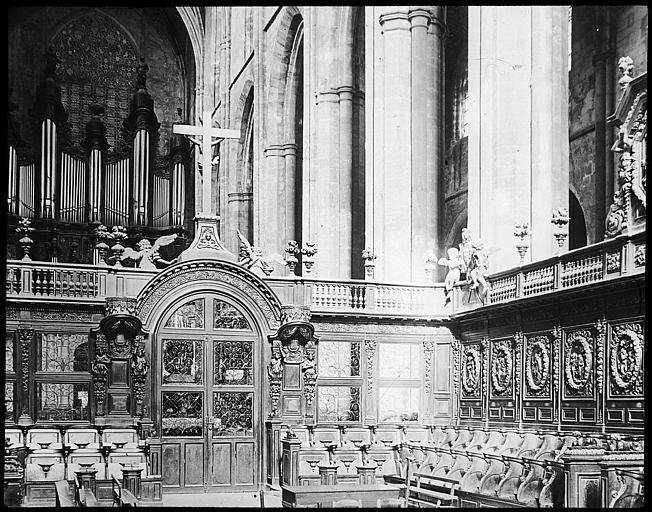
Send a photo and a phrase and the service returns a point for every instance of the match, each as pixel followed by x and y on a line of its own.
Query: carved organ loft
pixel 388 278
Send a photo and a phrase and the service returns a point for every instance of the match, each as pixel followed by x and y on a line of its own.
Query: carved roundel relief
pixel 502 366
pixel 471 367
pixel 537 365
pixel 578 363
pixel 626 360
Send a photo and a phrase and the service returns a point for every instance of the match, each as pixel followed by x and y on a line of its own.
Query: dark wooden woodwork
pixel 325 495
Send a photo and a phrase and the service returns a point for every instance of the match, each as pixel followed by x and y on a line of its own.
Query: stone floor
pixel 223 499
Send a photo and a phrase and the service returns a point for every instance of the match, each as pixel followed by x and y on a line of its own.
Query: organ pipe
pixel 96 145
pixel 13 181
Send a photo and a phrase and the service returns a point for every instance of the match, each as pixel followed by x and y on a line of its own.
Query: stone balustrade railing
pixel 612 259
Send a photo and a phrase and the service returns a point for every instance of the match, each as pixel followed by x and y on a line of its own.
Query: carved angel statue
pixel 454 264
pixel 147 255
pixel 474 264
pixel 251 257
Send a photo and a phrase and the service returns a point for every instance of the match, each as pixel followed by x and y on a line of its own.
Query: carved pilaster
pixel 309 369
pixel 100 372
pixel 556 372
pixel 370 347
pixel 601 333
pixel 484 347
pixel 139 370
pixel 517 345
pixel 455 347
pixel 25 337
pixel 275 375
pixel 428 350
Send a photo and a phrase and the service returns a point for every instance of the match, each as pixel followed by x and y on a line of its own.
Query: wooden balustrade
pixel 599 262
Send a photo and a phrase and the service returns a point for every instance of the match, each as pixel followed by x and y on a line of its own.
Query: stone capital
pixel 393 19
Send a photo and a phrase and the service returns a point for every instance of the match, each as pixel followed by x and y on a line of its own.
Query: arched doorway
pixel 208 360
pixel 208 325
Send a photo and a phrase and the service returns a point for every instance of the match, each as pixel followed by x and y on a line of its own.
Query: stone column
pixel 406 106
pixel 518 119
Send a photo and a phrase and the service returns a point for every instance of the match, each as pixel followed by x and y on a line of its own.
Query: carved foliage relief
pixel 626 360
pixel 471 367
pixel 538 366
pixel 502 369
pixel 578 364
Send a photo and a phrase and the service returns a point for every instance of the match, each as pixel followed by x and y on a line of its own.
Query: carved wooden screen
pixel 208 405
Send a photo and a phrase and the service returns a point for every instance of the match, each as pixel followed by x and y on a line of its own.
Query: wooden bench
pixel 122 497
pixel 64 499
pixel 425 489
pixel 326 495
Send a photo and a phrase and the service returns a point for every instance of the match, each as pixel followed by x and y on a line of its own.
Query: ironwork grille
pixel 233 414
pixel 228 317
pixel 233 363
pixel 63 402
pixel 182 361
pixel 182 413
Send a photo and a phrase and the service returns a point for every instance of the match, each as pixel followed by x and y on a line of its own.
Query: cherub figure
pixel 147 256
pixel 454 264
pixel 251 257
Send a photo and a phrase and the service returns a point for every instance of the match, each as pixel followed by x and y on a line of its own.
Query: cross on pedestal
pixel 206 244
pixel 207 134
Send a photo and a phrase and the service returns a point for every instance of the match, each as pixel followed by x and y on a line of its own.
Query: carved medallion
pixel 471 371
pixel 537 366
pixel 626 360
pixel 578 363
pixel 502 368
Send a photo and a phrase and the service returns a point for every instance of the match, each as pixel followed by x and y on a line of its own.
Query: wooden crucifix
pixel 210 137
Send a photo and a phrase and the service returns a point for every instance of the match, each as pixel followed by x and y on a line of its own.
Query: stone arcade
pixel 348 256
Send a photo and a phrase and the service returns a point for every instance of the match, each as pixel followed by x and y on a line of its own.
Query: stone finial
pixel 560 219
pixel 369 262
pixel 24 229
pixel 309 252
pixel 626 67
pixel 522 233
pixel 291 259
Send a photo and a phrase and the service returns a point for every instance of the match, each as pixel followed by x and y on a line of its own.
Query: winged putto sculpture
pixel 251 257
pixel 147 256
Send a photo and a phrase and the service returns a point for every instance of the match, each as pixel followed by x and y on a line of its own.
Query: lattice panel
pixel 62 402
pixel 398 404
pixel 63 353
pixel 339 359
pixel 338 403
pixel 182 413
pixel 182 361
pixel 233 414
pixel 228 317
pixel 233 363
pixel 188 316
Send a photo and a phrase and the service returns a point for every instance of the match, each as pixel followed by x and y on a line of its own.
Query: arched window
pixel 577 224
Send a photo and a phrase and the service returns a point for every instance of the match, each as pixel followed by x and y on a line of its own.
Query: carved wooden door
pixel 208 404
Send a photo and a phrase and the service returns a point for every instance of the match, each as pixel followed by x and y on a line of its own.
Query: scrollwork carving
pixel 275 375
pixel 502 368
pixel 471 371
pixel 601 330
pixel 309 369
pixel 428 350
pixel 100 372
pixel 484 348
pixel 457 371
pixel 537 365
pixel 121 306
pixel 626 360
pixel 370 350
pixel 25 340
pixel 139 370
pixel 578 363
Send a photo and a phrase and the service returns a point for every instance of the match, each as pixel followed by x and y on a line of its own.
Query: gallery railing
pixel 605 261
